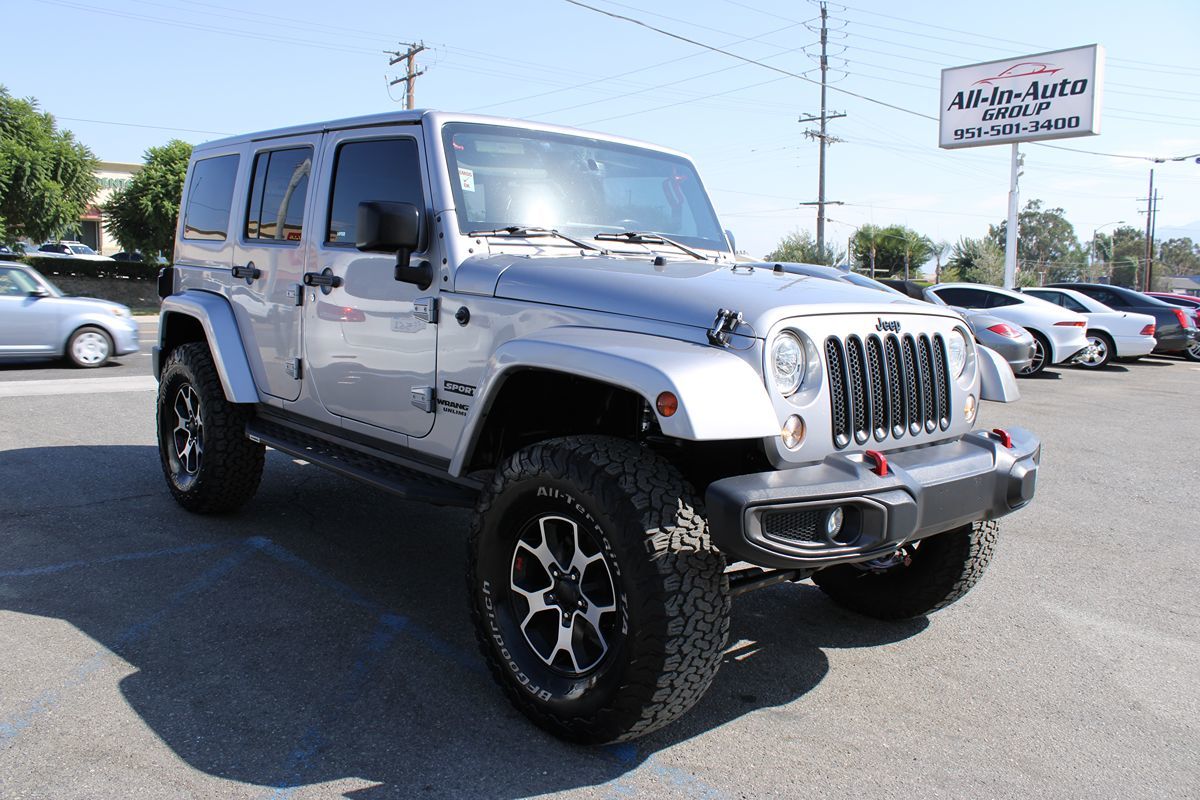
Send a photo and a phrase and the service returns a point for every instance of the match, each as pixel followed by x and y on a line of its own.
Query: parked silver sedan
pixel 38 321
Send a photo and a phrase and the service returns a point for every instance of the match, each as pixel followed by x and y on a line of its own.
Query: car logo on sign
pixel 893 326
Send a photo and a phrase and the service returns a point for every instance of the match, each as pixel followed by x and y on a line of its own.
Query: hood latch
pixel 724 325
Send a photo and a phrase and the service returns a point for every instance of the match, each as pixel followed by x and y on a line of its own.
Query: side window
pixel 961 296
pixel 997 300
pixel 1071 304
pixel 383 169
pixel 210 196
pixel 8 286
pixel 1049 297
pixel 276 207
pixel 1107 297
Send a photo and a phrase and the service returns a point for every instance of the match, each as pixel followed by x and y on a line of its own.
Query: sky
pixel 126 75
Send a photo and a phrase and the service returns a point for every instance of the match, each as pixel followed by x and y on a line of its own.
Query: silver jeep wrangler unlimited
pixel 549 326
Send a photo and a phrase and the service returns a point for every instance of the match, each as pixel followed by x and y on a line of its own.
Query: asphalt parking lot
pixel 318 643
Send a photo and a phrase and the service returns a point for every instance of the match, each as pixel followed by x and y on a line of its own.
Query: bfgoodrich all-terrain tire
pixel 925 576
pixel 209 463
pixel 600 605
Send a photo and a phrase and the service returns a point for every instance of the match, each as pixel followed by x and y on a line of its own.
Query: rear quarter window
pixel 210 198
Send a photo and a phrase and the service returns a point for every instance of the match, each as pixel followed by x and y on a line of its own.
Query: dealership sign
pixel 1045 96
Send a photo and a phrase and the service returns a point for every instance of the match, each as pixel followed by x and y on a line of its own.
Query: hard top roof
pixel 422 116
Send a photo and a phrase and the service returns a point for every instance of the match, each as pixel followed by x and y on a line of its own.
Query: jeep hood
pixel 686 292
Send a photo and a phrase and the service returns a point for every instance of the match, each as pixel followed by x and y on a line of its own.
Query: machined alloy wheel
pixel 565 587
pixel 1098 353
pixel 89 347
pixel 1193 352
pixel 188 436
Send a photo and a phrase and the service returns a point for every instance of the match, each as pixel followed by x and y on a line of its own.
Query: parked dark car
pixel 1175 329
pixel 1190 302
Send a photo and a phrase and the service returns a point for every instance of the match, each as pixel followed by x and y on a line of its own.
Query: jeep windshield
pixel 506 177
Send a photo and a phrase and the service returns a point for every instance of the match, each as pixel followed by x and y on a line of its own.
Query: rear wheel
pixel 600 605
pixel 209 464
pixel 917 579
pixel 1193 352
pixel 89 347
pixel 1099 352
pixel 1041 356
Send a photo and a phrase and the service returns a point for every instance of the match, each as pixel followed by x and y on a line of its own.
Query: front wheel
pixel 89 347
pixel 917 579
pixel 600 605
pixel 209 464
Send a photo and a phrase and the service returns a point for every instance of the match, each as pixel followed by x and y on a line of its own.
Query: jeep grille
pixel 891 386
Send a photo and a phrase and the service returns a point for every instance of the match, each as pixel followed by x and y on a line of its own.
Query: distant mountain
pixel 1189 231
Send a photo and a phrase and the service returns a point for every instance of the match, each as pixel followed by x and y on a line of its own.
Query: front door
pixel 369 351
pixel 28 324
pixel 269 258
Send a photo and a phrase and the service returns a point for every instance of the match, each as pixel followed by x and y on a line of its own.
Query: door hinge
pixel 426 309
pixel 294 367
pixel 295 293
pixel 422 397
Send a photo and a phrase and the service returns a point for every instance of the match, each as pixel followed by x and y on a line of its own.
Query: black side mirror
pixel 394 228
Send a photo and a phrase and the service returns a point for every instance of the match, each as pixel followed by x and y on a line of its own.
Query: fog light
pixel 969 408
pixel 792 432
pixel 833 523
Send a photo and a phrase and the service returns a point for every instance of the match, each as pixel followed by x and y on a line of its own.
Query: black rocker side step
pixel 383 471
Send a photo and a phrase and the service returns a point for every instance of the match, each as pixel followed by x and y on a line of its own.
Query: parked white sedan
pixel 1111 334
pixel 1058 334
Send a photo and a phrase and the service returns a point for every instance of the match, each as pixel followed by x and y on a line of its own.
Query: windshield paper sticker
pixel 467 178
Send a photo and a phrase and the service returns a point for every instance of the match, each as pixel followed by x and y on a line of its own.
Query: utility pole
pixel 822 135
pixel 409 57
pixel 1151 212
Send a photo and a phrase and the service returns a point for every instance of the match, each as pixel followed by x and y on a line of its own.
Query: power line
pixel 409 57
pixel 731 54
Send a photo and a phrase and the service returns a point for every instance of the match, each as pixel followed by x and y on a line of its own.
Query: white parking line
pixel 136 383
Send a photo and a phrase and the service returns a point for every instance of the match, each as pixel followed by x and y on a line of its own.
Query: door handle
pixel 249 272
pixel 325 279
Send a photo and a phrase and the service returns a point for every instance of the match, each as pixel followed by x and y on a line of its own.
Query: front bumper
pixel 125 337
pixel 777 519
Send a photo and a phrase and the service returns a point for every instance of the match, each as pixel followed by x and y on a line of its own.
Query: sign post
pixel 1055 95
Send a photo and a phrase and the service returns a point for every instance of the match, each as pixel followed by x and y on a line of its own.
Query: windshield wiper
pixel 533 233
pixel 647 237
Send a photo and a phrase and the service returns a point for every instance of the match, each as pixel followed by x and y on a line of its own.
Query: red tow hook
pixel 880 468
pixel 1004 437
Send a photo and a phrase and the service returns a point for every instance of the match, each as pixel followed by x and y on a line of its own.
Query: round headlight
pixel 956 351
pixel 787 363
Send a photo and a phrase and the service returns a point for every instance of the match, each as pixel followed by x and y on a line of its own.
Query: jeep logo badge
pixel 894 327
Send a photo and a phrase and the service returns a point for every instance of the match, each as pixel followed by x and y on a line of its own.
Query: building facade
pixel 112 176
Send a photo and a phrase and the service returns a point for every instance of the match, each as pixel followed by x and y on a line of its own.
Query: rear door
pixel 370 345
pixel 269 257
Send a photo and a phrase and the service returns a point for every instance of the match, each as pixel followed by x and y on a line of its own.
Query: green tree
pixel 917 250
pixel 865 247
pixel 1046 241
pixel 142 215
pixel 890 248
pixel 1125 271
pixel 801 248
pixel 47 178
pixel 975 261
pixel 1177 257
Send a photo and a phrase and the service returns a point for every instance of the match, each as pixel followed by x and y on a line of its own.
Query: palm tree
pixel 917 248
pixel 867 242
